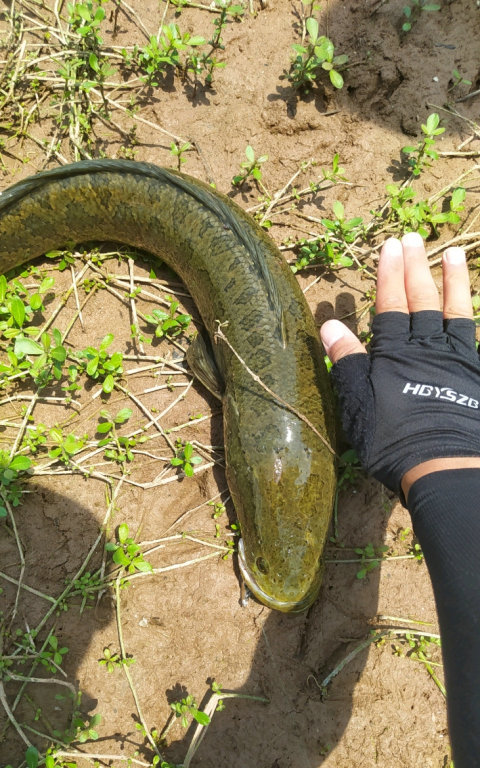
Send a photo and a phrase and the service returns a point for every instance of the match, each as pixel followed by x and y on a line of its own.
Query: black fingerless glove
pixel 415 397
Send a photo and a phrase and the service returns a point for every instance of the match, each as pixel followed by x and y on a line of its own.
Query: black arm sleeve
pixel 445 510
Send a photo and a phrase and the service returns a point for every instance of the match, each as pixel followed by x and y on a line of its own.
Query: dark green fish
pixel 281 475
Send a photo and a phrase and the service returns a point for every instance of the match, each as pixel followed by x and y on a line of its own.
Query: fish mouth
pixel 286 606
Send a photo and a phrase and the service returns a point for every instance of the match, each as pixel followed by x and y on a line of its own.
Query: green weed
pixel 370 558
pixel 181 51
pixel 346 230
pixel 85 19
pixel 413 12
pixel 415 548
pixel 206 62
pixel 313 58
pixel 15 312
pixel 99 365
pixel 121 446
pixel 171 323
pixel 186 708
pixel 51 655
pixel 32 758
pixel 458 80
pixel 178 150
pixel 423 154
pixel 185 458
pixel 350 469
pixel 162 52
pixel 112 660
pixel 87 586
pixel 424 649
pixel 251 168
pixel 84 728
pixel 422 217
pixel 11 471
pixel 127 553
pixel 66 446
pixel 49 357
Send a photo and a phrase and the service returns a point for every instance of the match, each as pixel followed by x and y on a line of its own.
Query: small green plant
pixel 164 51
pixel 170 323
pixel 178 150
pixel 413 11
pixel 206 62
pixel 66 259
pixel 422 217
pixel 11 468
pixel 84 728
pixel 319 251
pixel 87 585
pixel 317 55
pixel 49 356
pixel 230 543
pixel 331 249
pixel 422 649
pixel 66 445
pixel 251 167
pixel 423 154
pixel 346 230
pixel 350 469
pixel 112 661
pixel 180 50
pixel 458 80
pixel 121 450
pixel 31 758
pixel 16 312
pixel 217 688
pixel 99 365
pixel 85 19
pixel 127 553
pixel 186 708
pixel 52 655
pixel 370 558
pixel 335 174
pixel 85 66
pixel 185 459
pixel 415 549
pixel 35 437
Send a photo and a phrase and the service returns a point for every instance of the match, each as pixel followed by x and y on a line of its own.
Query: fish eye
pixel 262 565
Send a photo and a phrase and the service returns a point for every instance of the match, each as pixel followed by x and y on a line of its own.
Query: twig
pixel 133 306
pixel 125 668
pixel 219 334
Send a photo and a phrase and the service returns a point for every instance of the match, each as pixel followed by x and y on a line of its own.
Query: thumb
pixel 339 341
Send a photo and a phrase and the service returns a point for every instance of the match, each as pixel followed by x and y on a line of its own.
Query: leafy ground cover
pixel 122 636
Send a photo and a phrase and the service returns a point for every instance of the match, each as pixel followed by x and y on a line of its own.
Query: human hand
pixel 412 406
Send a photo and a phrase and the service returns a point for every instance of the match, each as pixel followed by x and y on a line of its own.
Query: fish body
pixel 280 474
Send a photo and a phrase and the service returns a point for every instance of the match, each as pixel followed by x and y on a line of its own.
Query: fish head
pixel 282 485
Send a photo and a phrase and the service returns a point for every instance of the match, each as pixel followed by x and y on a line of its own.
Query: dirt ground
pixel 185 626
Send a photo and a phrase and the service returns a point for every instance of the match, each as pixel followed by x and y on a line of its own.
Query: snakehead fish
pixel 280 474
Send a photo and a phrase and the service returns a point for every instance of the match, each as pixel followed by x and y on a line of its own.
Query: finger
pixel 457 301
pixel 391 296
pixel 339 340
pixel 419 286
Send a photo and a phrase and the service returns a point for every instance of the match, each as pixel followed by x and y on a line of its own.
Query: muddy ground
pixel 185 627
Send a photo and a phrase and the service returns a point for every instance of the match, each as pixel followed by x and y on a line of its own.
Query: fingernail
pixel 392 247
pixel 332 333
pixel 454 256
pixel 413 240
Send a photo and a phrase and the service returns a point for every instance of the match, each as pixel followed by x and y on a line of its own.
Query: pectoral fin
pixel 201 362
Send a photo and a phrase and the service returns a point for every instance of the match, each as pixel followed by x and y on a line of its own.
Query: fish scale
pixel 280 474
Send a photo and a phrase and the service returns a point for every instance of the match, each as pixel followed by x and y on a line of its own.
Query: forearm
pixel 445 509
